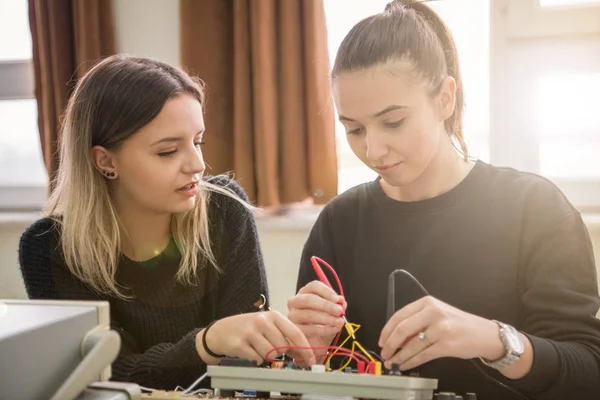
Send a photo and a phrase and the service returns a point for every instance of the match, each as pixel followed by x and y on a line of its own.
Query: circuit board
pixel 385 387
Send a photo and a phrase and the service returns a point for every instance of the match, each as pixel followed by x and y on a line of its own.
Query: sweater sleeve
pixel 243 280
pixel 560 302
pixel 162 366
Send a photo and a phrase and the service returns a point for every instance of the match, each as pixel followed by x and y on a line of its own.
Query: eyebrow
pixel 379 114
pixel 173 139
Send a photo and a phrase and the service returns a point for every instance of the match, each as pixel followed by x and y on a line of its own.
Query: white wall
pixel 148 28
pixel 11 283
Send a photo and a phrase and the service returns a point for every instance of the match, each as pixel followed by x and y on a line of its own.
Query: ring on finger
pixel 424 339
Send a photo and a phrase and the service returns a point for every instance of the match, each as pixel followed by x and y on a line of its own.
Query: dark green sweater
pixel 503 244
pixel 158 326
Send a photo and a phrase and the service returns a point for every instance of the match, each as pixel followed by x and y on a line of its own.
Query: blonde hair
pixel 109 104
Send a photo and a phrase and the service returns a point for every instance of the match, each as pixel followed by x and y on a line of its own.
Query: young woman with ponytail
pixel 504 259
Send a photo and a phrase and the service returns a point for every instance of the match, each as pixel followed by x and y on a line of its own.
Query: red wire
pixel 315 260
pixel 341 351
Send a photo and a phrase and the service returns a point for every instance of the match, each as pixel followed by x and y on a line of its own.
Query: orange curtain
pixel 68 37
pixel 269 114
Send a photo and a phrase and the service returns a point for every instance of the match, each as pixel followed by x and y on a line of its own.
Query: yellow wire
pixel 356 327
pixel 351 329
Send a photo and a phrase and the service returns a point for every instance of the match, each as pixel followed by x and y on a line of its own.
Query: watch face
pixel 514 340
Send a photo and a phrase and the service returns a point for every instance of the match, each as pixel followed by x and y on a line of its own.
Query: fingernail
pixel 334 297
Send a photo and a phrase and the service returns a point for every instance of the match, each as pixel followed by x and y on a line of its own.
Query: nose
pixel 377 149
pixel 194 163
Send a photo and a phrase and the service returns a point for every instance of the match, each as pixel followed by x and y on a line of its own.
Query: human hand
pixel 315 311
pixel 254 335
pixel 428 329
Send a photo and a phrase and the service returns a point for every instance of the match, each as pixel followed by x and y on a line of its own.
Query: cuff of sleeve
pixel 189 354
pixel 544 370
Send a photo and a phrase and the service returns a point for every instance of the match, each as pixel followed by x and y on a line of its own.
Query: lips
pixel 386 167
pixel 189 186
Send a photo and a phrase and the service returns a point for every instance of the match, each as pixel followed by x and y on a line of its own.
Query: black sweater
pixel 503 244
pixel 158 326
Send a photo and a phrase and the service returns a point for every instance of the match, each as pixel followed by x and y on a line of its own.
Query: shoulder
pixel 38 252
pixel 228 183
pixel 228 202
pixel 533 192
pixel 39 236
pixel 342 212
pixel 347 204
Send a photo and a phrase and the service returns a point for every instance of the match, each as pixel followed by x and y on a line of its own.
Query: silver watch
pixel 513 345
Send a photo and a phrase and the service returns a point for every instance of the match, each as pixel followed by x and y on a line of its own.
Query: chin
pixel 183 206
pixel 399 179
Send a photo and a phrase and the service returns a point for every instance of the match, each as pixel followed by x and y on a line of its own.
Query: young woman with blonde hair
pixel 132 220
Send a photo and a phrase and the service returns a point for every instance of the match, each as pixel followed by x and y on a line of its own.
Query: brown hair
pixel 407 31
pixel 116 98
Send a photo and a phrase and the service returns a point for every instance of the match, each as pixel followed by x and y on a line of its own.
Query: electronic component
pixel 63 347
pixel 453 396
pixel 328 383
pixel 238 362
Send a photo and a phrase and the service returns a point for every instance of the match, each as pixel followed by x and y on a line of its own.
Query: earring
pixel 108 174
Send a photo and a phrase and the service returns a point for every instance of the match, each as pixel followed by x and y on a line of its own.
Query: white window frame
pixel 17 83
pixel 513 139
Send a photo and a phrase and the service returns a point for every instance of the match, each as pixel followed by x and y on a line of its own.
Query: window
pixel 23 178
pixel 545 80
pixel 567 3
pixel 565 118
pixel 471 34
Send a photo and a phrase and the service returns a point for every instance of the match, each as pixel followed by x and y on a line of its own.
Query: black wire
pixel 376 356
pixel 514 391
pixel 391 301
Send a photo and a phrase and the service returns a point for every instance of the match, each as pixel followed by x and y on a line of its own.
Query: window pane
pixel 567 104
pixel 20 151
pixel 570 159
pixel 15 36
pixel 567 3
pixel 569 132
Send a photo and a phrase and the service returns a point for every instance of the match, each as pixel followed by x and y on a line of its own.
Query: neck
pixel 144 234
pixel 445 171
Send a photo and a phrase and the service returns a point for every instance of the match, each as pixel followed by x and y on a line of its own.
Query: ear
pixel 447 98
pixel 104 161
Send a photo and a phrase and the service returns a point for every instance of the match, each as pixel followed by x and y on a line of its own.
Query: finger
pixel 344 304
pixel 247 351
pixel 309 301
pixel 306 317
pixel 295 336
pixel 319 330
pixel 276 339
pixel 321 290
pixel 263 346
pixel 430 353
pixel 400 316
pixel 404 331
pixel 414 346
